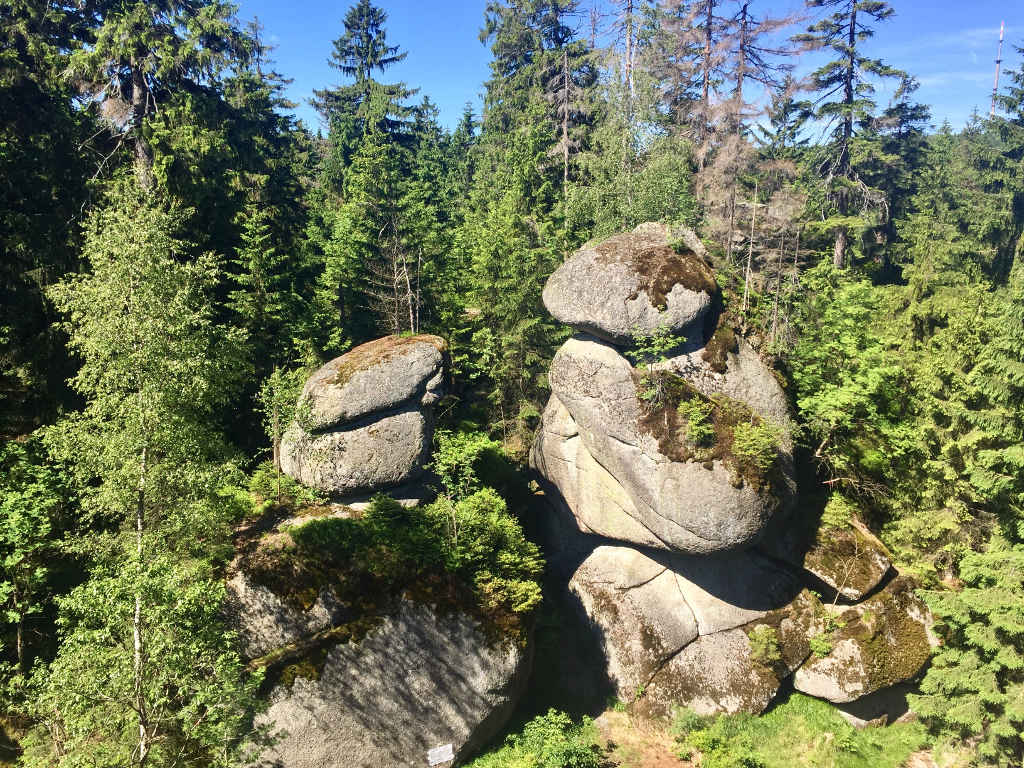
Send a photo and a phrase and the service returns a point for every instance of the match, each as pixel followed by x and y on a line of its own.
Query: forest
pixel 179 253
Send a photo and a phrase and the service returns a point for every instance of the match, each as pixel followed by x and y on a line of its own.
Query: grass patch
pixel 800 731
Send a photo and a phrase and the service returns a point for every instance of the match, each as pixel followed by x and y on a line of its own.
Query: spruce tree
pixel 140 53
pixel 843 97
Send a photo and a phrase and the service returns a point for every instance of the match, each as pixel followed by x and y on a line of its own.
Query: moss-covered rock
pixel 633 283
pixel 848 559
pixel 883 641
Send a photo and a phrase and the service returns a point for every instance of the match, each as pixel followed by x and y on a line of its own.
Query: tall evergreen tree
pixel 142 53
pixel 843 89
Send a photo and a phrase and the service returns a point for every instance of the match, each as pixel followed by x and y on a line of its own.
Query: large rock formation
pixel 360 676
pixel 649 459
pixel 416 681
pixel 685 505
pixel 365 419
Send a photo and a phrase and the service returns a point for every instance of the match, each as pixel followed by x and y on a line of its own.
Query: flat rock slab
pixel 630 283
pixel 417 682
pixel 848 559
pixel 380 375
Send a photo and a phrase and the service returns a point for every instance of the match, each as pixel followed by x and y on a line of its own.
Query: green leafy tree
pixel 145 673
pixel 30 499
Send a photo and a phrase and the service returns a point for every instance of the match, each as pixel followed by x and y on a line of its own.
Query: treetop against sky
pixel 949 45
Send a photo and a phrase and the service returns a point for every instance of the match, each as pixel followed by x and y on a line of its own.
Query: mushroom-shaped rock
pixel 883 641
pixel 675 628
pixel 697 506
pixel 633 282
pixel 365 420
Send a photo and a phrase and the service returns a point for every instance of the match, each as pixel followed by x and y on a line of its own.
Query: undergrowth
pixel 799 732
pixel 551 740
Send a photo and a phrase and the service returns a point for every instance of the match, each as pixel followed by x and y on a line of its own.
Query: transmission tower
pixel 999 60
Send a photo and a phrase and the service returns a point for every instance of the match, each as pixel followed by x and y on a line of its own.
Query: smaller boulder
pixel 848 559
pixel 376 376
pixel 364 421
pixel 633 282
pixel 406 684
pixel 883 641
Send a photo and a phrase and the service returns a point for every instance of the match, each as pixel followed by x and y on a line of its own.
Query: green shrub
pixel 700 430
pixel 548 741
pixel 755 445
pixel 764 645
pixel 839 512
pixel 652 347
pixel 821 645
pixel 459 459
pixel 267 484
pixel 474 541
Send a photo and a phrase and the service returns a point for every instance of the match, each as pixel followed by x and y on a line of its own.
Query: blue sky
pixel 949 45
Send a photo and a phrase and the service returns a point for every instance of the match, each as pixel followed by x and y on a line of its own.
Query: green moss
pixel 665 417
pixel 306 658
pixel 722 342
pixel 800 732
pixel 894 645
pixel 764 645
pixel 375 352
pixel 369 563
pixel 659 266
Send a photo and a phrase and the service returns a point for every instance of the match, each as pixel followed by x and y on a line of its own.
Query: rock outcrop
pixel 416 681
pixel 363 677
pixel 685 505
pixel 365 419
pixel 649 466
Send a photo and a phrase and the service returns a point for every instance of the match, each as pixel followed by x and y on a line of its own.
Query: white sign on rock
pixel 439 755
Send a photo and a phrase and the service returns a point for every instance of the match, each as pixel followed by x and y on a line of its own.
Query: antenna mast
pixel 999 60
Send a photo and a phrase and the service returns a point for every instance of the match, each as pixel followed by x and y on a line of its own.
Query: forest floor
pixel 633 743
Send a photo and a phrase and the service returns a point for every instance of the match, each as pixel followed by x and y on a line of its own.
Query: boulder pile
pixel 365 420
pixel 674 462
pixel 355 676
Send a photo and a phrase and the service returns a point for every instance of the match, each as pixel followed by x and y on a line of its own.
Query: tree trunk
pixel 839 249
pixel 851 71
pixel 565 125
pixel 741 72
pixel 629 48
pixel 20 636
pixel 143 154
pixel 750 250
pixel 137 634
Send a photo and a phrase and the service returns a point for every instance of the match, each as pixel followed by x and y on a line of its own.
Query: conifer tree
pixel 842 90
pixel 141 53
